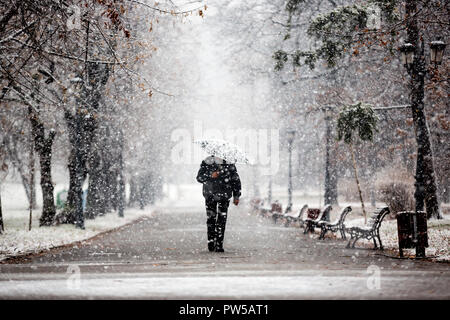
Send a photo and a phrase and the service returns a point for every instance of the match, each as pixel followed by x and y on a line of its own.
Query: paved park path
pixel 165 257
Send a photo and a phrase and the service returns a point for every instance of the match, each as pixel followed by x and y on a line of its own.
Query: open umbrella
pixel 223 149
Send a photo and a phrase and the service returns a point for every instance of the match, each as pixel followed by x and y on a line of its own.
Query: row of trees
pixel 75 74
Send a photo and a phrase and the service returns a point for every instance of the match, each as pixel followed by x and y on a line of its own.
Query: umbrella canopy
pixel 223 149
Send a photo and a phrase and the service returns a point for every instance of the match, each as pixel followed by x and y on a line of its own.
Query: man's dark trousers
pixel 216 211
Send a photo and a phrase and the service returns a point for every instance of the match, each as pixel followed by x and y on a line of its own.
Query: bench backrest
pixel 256 203
pixel 318 214
pixel 377 217
pixel 343 215
pixel 302 211
pixel 325 213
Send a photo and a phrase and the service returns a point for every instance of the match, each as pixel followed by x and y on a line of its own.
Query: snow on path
pixel 237 285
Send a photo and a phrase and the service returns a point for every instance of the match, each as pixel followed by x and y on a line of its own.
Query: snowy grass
pixel 17 240
pixel 438 237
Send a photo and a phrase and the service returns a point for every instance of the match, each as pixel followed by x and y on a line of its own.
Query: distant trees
pixel 18 150
pixel 26 29
pixel 66 67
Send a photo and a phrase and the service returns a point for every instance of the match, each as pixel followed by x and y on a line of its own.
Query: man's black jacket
pixel 226 185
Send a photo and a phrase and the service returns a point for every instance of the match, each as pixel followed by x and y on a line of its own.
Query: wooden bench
pixel 337 225
pixel 256 205
pixel 277 215
pixel 289 218
pixel 264 211
pixel 276 211
pixel 315 216
pixel 371 230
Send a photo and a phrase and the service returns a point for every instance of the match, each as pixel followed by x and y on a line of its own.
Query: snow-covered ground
pixel 283 284
pixel 438 230
pixel 438 237
pixel 17 240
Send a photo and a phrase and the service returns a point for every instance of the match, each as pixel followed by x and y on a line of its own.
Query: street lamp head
pixel 290 133
pixel 407 53
pixel 437 51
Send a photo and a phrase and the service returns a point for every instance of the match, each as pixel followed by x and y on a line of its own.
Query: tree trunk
pixel 121 183
pixel 99 190
pixel 32 185
pixel 142 200
pixel 445 186
pixel 94 197
pixel 373 198
pixel 143 190
pixel 77 213
pixel 79 137
pixel 357 182
pixel 11 148
pixel 133 192
pixel 32 193
pixel 48 206
pixel 43 146
pixel 426 187
pixel 109 170
pixel 2 228
pixel 330 183
pixel 67 215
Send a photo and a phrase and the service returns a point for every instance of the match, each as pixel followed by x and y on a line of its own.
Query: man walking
pixel 220 182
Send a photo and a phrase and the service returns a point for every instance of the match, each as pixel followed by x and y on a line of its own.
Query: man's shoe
pixel 219 249
pixel 211 246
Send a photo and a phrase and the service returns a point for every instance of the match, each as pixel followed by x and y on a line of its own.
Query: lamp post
pixel 3 173
pixel 290 139
pixel 256 192
pixel 269 195
pixel 1 217
pixel 413 58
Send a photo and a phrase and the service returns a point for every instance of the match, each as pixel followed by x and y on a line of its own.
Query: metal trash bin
pixel 412 232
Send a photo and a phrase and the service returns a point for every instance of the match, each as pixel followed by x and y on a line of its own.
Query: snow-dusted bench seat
pixel 265 211
pixel 256 205
pixel 371 230
pixel 276 210
pixel 311 222
pixel 290 217
pixel 337 225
